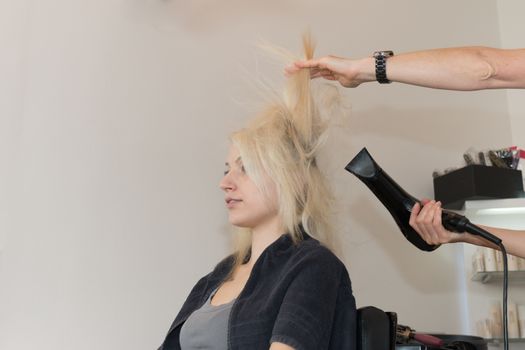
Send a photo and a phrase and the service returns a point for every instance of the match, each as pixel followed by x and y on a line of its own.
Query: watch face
pixel 386 53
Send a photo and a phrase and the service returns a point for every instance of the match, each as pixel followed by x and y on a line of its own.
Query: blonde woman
pixel 282 288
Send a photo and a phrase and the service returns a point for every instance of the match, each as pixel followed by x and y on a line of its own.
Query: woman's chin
pixel 240 223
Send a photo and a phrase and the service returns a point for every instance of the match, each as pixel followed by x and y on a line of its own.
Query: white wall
pixel 114 120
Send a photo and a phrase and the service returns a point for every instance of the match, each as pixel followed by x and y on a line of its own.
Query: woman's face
pixel 247 205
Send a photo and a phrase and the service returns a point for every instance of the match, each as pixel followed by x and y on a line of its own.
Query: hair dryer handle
pixel 460 224
pixel 454 222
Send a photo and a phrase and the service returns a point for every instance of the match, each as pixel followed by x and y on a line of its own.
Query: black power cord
pixel 505 295
pixel 459 223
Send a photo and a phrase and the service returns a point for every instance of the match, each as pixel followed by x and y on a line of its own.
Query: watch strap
pixel 380 65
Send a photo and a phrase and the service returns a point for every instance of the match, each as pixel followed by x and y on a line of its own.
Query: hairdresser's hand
pixel 348 72
pixel 427 222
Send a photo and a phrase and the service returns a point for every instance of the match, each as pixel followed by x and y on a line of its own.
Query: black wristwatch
pixel 381 57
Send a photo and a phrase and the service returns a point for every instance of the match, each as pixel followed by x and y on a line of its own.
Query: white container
pixel 521 319
pixel 521 265
pixel 478 264
pixel 513 262
pixel 483 328
pixel 499 260
pixel 512 314
pixel 489 257
pixel 497 321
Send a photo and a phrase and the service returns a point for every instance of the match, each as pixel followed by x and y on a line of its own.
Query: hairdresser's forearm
pixel 513 240
pixel 463 68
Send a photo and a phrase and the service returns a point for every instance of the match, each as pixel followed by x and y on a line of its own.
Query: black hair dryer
pixel 399 203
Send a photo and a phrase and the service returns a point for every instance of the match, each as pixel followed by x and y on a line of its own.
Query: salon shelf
pixel 499 341
pixel 497 276
pixel 484 288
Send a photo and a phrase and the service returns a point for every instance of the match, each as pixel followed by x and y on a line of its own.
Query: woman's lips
pixel 230 202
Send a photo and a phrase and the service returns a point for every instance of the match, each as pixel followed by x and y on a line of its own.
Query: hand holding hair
pixel 458 68
pixel 348 72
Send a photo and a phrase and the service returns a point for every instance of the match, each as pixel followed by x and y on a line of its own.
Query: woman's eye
pixel 227 171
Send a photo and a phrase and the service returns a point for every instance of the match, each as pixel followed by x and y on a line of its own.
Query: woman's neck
pixel 264 235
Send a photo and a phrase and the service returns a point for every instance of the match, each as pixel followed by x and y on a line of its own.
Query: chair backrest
pixel 376 329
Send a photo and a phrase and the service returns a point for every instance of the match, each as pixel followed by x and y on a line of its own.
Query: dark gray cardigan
pixel 297 294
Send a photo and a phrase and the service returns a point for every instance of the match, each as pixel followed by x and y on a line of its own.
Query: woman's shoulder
pixel 314 258
pixel 311 246
pixel 311 250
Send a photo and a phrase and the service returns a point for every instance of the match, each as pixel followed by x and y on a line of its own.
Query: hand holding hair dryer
pixel 399 203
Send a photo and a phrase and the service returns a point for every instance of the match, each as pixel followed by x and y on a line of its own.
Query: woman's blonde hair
pixel 283 142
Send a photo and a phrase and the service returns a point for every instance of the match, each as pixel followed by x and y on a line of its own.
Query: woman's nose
pixel 227 183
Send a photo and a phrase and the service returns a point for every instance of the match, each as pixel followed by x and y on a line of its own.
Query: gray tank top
pixel 207 327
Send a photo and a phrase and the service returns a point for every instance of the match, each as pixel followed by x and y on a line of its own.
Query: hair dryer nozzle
pixel 398 202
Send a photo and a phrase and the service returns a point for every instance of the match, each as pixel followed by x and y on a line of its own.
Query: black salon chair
pixel 376 329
